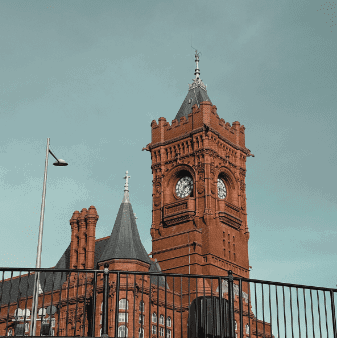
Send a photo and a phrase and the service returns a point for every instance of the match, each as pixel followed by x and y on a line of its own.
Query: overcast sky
pixel 92 75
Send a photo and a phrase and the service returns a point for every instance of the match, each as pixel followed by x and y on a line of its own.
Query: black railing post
pixel 231 305
pixel 105 301
pixel 333 314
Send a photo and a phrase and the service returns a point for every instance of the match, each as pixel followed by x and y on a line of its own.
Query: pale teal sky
pixel 92 75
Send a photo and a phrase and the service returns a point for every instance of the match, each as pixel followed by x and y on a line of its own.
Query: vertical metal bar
pixel 197 324
pixel 67 305
pixel 174 310
pixel 134 304
pixel 158 315
pixel 9 301
pixel 78 277
pixel 291 313
pixel 305 314
pixel 205 309
pixel 278 324
pixel 248 283
pixel 105 300
pixel 298 311
pixel 326 316
pixel 333 313
pixel 26 298
pixel 214 313
pixel 59 307
pixel 2 284
pixel 284 311
pixel 181 306
pixel 117 303
pixel 51 303
pixel 93 330
pixel 264 330
pixel 231 303
pixel 18 297
pixel 220 311
pixel 141 310
pixel 240 308
pixel 270 314
pixel 43 298
pixel 319 315
pixel 256 332
pixel 312 315
pixel 165 329
pixel 150 290
pixel 85 304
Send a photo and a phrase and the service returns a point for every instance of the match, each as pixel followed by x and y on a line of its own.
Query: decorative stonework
pixel 230 220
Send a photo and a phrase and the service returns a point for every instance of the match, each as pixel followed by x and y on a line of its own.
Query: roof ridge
pixel 101 239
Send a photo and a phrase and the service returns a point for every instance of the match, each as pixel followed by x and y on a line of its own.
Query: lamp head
pixel 60 163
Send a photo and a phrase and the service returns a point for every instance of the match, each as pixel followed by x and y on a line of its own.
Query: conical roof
pixel 125 241
pixel 197 93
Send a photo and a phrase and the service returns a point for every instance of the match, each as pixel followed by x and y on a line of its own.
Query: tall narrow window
pixel 141 333
pixel 168 321
pixel 122 317
pixel 161 320
pixel 154 317
pixel 122 331
pixel 123 304
pixel 141 319
pixel 142 306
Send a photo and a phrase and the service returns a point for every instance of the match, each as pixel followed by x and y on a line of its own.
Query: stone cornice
pixel 195 131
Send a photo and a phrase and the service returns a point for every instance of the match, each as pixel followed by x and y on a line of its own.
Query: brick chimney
pixel 83 235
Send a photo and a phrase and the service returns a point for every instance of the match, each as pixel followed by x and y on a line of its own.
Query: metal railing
pixel 106 303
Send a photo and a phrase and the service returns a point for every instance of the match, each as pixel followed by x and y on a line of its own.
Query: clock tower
pixel 199 217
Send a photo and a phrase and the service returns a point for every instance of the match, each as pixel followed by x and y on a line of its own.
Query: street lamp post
pixel 59 163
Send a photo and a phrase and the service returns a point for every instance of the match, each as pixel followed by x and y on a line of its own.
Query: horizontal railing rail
pixel 110 303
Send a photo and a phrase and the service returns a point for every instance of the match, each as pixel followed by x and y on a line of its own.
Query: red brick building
pixel 199 226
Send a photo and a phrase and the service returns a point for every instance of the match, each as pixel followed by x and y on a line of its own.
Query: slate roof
pixel 196 95
pixel 124 242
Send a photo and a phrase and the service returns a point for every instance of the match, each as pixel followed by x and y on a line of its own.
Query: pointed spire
pixel 125 241
pixel 197 82
pixel 126 198
pixel 197 92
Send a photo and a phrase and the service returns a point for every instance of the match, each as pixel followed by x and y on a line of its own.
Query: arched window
pixel 161 319
pixel 141 333
pixel 168 321
pixel 42 312
pixel 141 319
pixel 154 317
pixel 123 304
pixel 247 329
pixel 10 332
pixel 18 313
pixel 26 312
pixel 141 306
pixel 122 331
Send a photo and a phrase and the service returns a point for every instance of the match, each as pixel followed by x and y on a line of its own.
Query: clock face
pixel 184 187
pixel 222 192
